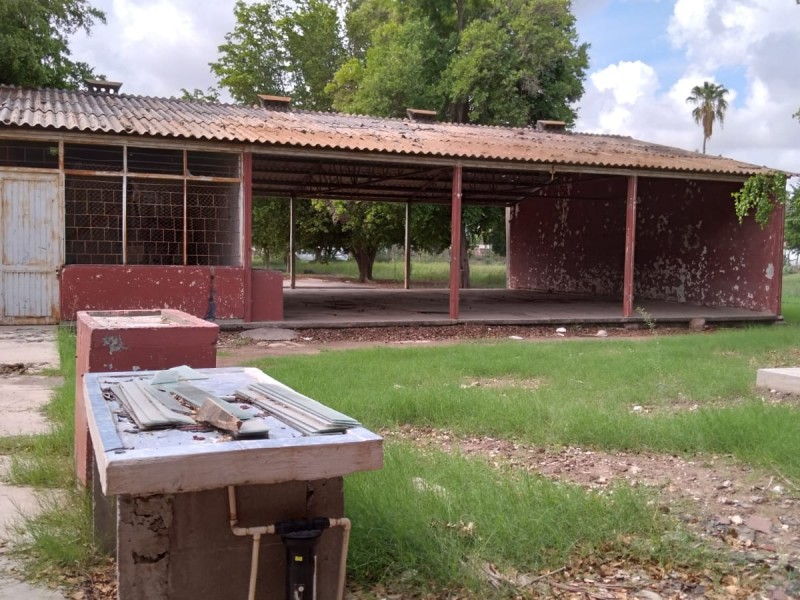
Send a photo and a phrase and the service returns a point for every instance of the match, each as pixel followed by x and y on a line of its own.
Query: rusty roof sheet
pixel 78 111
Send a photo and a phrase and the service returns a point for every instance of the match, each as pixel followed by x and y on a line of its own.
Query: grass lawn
pixel 425 272
pixel 429 520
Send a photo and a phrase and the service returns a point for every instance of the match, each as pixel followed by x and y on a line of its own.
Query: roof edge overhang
pixel 377 156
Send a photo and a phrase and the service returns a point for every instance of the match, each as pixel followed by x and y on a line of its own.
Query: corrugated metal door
pixel 30 248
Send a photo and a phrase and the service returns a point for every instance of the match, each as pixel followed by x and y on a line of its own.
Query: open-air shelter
pixel 112 201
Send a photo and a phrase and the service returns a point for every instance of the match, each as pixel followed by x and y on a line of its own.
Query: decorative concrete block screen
pixel 151 206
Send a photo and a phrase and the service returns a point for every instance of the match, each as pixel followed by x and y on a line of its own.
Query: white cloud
pixel 757 38
pixel 157 47
pixel 627 81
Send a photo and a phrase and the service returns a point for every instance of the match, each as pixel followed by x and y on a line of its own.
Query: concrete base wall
pixel 267 295
pixel 180 547
pixel 189 289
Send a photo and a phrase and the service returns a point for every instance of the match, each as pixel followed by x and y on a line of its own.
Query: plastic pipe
pixel 344 523
pixel 257 532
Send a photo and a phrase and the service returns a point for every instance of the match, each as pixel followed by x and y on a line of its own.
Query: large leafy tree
pixel 709 106
pixel 277 49
pixel 34 42
pixel 508 62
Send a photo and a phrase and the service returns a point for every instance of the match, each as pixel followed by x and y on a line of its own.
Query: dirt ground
pixel 753 516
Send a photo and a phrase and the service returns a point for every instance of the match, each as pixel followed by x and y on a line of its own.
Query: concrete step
pixel 785 380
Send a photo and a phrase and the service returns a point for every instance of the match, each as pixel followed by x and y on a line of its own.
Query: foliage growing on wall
pixel 760 194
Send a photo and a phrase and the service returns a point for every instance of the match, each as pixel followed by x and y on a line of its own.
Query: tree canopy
pixel 34 48
pixel 275 49
pixel 474 61
pixel 709 106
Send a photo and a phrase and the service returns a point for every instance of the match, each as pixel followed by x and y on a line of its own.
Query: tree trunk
pixel 705 139
pixel 365 259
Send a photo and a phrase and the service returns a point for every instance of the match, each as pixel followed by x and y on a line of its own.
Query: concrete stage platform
pixel 362 307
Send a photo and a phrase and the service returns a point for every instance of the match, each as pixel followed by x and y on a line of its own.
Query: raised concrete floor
pixel 786 380
pixel 347 307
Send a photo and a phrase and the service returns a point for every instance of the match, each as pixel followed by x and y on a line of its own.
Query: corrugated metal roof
pixel 170 118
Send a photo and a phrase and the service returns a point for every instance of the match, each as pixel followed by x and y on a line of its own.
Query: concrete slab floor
pixel 14 502
pixel 22 400
pixel 343 307
pixel 33 346
pixel 22 397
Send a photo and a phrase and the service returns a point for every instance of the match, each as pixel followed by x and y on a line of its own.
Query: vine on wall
pixel 760 194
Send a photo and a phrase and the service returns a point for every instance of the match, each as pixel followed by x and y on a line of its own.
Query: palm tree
pixel 710 106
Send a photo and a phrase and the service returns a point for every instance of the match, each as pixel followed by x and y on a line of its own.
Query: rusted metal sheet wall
pixel 690 247
pixel 118 287
pixel 570 245
pixel 31 247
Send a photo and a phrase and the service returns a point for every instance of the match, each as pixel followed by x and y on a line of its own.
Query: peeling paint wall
pixel 690 246
pixel 569 244
pixel 116 287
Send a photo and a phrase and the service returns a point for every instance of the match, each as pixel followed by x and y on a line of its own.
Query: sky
pixel 645 57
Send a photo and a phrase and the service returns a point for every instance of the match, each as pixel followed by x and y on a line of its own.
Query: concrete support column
pixel 455 242
pixel 630 246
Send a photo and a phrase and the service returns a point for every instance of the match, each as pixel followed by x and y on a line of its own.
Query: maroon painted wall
pixel 568 244
pixel 691 248
pixel 267 295
pixel 116 287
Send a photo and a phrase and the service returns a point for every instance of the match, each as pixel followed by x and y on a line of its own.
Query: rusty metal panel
pixel 76 111
pixel 30 247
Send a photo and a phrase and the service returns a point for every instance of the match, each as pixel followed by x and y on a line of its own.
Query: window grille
pixel 93 220
pixel 21 153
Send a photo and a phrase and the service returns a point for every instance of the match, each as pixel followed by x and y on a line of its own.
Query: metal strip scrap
pixel 300 412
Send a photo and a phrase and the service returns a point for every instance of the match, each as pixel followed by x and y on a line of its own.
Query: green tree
pixel 792 224
pixel 316 231
pixel 482 61
pixel 710 106
pixel 278 49
pixel 369 226
pixel 252 57
pixel 211 94
pixel 34 42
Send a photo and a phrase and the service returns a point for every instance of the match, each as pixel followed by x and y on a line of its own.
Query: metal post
pixel 292 240
pixel 185 208
pixel 407 249
pixel 455 242
pixel 125 204
pixel 247 233
pixel 778 223
pixel 630 245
